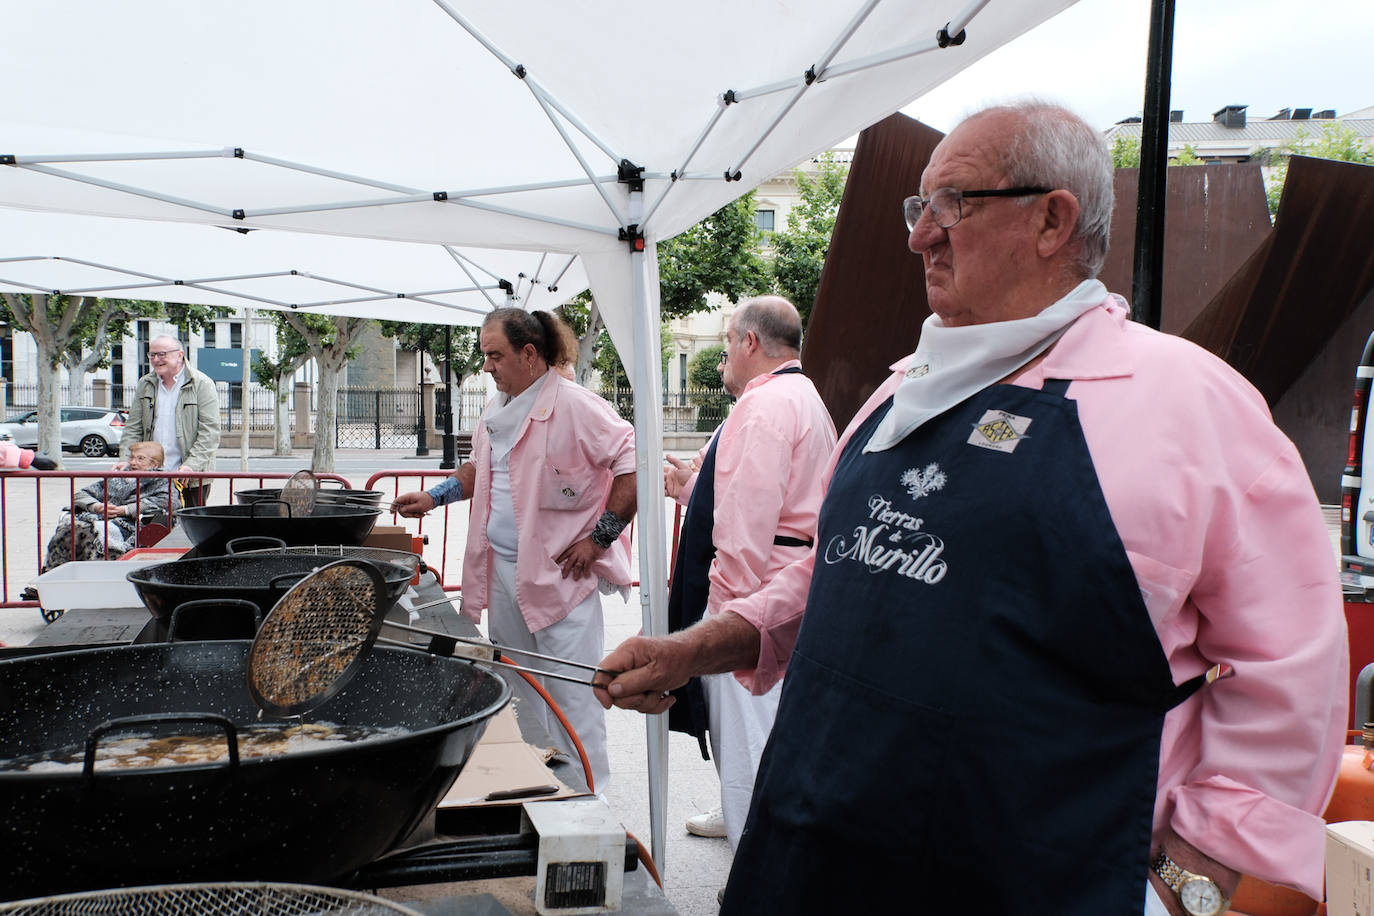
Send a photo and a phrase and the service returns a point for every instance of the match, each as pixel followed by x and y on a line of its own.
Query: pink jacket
pixel 570 448
pixel 773 449
pixel 1226 538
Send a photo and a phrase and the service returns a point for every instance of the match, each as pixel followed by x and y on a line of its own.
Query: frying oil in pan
pixel 144 750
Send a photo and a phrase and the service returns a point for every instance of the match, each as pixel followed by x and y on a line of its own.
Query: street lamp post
pixel 448 462
pixel 421 440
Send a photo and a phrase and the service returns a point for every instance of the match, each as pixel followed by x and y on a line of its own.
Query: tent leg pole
pixel 653 563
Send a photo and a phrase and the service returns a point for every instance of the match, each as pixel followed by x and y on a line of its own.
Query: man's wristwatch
pixel 1199 894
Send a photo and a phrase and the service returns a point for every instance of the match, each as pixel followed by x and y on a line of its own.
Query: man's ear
pixel 1059 218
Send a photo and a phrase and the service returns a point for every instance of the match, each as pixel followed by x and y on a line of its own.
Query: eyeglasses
pixel 161 354
pixel 946 204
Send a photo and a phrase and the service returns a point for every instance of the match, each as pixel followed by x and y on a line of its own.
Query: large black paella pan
pixel 311 815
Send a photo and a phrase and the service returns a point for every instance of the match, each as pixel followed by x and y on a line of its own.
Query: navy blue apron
pixel 691 585
pixel 971 717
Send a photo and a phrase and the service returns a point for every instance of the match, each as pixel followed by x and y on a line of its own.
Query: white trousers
pixel 581 637
pixel 1153 905
pixel 740 724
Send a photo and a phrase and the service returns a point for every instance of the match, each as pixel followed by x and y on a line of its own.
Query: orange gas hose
pixel 563 720
pixel 645 859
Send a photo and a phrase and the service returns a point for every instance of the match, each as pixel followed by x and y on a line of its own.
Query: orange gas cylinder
pixel 1254 897
pixel 1351 800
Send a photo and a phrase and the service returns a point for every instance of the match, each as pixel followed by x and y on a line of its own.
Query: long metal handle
pixel 493 661
pixel 475 641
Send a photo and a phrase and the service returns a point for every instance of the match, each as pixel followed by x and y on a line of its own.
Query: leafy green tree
pixel 799 250
pixel 720 254
pixel 88 349
pixel 607 361
pixel 1338 142
pixel 293 352
pixel 1187 156
pixel 192 318
pixel 56 322
pixel 713 403
pixel 465 357
pixel 332 342
pixel 1126 152
pixel 703 370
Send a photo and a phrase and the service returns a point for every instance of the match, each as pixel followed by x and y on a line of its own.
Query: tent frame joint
pixel 634 237
pixel 944 39
pixel 8 159
pixel 630 174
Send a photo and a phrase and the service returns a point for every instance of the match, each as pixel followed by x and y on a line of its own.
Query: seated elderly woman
pixel 104 519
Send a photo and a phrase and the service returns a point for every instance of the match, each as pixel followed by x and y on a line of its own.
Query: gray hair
pixel 773 320
pixel 1056 148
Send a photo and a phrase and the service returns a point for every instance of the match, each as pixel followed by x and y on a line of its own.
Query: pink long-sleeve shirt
pixel 772 450
pixel 569 449
pixel 1226 538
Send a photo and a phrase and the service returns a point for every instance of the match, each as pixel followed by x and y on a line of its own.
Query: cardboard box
pixel 390 537
pixel 1350 868
pixel 502 765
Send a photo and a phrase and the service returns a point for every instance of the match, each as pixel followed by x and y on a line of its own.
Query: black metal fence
pixel 377 417
pixel 261 412
pixel 390 417
pixel 692 410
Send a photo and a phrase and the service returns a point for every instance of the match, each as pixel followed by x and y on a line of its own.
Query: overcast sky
pixel 1266 54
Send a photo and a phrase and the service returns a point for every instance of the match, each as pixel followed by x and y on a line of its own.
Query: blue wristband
pixel 448 491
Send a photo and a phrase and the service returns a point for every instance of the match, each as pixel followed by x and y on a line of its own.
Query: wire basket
pixel 232 899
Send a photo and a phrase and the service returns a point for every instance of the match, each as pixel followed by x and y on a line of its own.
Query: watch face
pixel 1200 897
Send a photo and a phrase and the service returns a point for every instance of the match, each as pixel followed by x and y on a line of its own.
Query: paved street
pixel 695 868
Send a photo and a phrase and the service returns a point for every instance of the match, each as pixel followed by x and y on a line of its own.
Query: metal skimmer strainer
pixel 316 636
pixel 300 492
pixel 319 632
pixel 228 899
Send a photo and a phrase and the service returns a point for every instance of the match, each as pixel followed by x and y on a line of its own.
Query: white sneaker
pixel 710 824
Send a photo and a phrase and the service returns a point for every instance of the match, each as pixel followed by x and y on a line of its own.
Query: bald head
pixel 763 334
pixel 774 321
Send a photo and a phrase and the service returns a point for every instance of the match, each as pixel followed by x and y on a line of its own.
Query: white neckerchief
pixel 952 364
pixel 503 419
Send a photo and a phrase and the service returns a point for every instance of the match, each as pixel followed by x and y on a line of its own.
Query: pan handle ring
pixel 159 718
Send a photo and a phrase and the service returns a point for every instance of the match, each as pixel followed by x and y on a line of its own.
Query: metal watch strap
pixel 1175 875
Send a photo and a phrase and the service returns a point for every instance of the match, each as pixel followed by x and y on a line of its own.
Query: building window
pixel 141 334
pixel 236 334
pixel 208 335
pixel 682 370
pixel 764 220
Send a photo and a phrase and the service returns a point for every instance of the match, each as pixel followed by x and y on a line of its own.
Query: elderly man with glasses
pixel 178 407
pixel 1073 639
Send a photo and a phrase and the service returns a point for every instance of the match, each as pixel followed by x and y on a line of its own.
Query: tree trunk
pixel 282 427
pixel 322 458
pixel 246 427
pixel 49 391
pixel 586 347
pixel 76 377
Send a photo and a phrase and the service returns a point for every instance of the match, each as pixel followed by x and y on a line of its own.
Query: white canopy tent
pixel 543 126
pixel 328 275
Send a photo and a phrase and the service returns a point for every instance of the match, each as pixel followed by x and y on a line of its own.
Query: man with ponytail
pixel 552 481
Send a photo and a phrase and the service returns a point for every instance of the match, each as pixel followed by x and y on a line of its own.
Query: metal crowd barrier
pixel 48 493
pixel 31 502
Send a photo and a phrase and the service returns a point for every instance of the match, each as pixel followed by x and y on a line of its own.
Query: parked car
pixel 92 431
